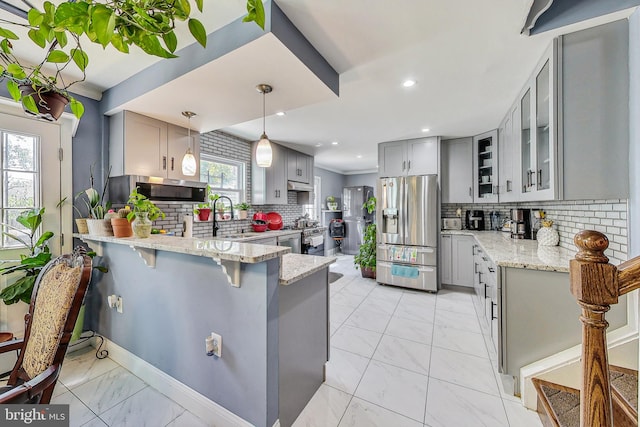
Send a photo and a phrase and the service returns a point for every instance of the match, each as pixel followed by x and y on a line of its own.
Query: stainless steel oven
pixel 294 241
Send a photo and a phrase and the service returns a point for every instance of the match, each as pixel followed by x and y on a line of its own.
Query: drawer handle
pixel 164 163
pixel 426 270
pixel 485 291
pixel 426 250
pixel 493 317
pixel 172 163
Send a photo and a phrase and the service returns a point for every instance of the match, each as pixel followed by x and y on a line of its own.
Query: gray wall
pixel 169 310
pixel 634 135
pixel 370 179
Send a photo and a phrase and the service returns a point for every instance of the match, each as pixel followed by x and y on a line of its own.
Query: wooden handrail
pixel 596 284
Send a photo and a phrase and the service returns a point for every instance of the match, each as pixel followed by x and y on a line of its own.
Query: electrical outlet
pixel 112 300
pixel 119 304
pixel 217 344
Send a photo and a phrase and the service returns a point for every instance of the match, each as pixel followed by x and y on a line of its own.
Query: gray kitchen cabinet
pixel 508 147
pixel 412 157
pixel 141 145
pixel 456 178
pixel 299 167
pixel 446 259
pixel 269 185
pixel 485 167
pixel 457 260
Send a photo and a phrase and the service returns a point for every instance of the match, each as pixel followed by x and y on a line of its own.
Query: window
pixel 225 177
pixel 20 184
pixel 315 205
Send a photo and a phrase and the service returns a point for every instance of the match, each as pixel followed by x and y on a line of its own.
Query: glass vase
pixel 142 225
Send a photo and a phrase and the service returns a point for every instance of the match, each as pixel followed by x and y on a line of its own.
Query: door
pixel 526 141
pixel 421 221
pixel 390 212
pixel 145 146
pixel 391 156
pixel 462 256
pixel 446 260
pixel 422 156
pixel 485 167
pixel 457 171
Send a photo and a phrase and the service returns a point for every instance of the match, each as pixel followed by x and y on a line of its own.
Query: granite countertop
pixel 508 252
pixel 222 249
pixel 297 266
pixel 248 236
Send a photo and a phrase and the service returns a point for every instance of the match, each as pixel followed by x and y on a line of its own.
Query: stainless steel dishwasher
pixel 294 241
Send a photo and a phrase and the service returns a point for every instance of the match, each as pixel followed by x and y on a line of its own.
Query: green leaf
pixel 8 34
pixel 185 6
pixel 61 37
pixel 69 14
pixel 255 13
pixel 151 45
pixel 31 218
pixel 104 22
pixel 80 58
pixel 14 90
pixel 77 108
pixel 43 239
pixel 118 43
pixel 199 4
pixel 16 71
pixel 35 17
pixel 37 38
pixel 198 32
pixel 170 41
pixel 39 260
pixel 5 45
pixel 94 197
pixel 57 56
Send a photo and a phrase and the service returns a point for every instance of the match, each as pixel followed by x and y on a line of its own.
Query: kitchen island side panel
pixel 169 310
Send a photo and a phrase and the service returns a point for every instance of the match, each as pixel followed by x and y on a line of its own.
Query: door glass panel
pixel 543 153
pixel 525 149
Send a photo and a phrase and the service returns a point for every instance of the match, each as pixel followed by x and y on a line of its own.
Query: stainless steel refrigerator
pixel 407 218
pixel 355 217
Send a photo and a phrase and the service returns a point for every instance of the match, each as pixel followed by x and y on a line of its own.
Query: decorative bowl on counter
pixel 260 216
pixel 274 221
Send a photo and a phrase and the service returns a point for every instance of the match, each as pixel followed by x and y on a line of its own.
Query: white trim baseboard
pixel 188 398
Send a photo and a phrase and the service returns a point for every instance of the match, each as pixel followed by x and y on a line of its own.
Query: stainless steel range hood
pixel 299 186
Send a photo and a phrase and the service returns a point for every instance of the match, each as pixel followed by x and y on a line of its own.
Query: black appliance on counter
pixel 474 220
pixel 521 224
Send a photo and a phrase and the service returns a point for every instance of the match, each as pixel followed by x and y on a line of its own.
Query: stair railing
pixel 596 284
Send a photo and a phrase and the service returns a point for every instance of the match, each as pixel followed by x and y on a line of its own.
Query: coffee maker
pixel 521 223
pixel 474 220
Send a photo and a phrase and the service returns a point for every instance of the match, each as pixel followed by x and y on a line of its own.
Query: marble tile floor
pixel 407 358
pixel 398 358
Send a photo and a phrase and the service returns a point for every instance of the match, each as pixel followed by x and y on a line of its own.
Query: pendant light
pixel 264 155
pixel 189 165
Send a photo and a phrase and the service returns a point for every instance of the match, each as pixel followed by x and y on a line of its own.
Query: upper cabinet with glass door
pixel 537 133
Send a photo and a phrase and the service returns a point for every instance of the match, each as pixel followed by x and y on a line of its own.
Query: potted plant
pixel 242 209
pixel 366 256
pixel 144 211
pixel 121 224
pixel 97 207
pixel 59 28
pixel 332 205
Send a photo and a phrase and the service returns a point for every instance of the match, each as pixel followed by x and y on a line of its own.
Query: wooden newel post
pixel 594 283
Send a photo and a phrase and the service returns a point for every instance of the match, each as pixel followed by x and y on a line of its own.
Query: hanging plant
pixel 60 29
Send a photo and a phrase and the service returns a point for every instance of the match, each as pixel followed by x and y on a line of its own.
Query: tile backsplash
pixel 607 216
pixel 226 146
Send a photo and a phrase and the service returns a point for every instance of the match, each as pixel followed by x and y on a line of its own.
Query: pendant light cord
pixel 264 113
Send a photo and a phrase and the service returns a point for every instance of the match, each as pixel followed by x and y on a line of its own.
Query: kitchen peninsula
pixel 269 306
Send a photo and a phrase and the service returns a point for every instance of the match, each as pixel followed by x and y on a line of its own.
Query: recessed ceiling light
pixel 425 129
pixel 280 113
pixel 359 156
pixel 319 144
pixel 334 143
pixel 408 83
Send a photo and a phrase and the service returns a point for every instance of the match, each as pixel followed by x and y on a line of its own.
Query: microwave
pixel 156 189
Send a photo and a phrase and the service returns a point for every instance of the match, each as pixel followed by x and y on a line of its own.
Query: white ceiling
pixel 467 56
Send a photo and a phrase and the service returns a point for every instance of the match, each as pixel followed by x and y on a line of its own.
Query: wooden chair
pixel 55 303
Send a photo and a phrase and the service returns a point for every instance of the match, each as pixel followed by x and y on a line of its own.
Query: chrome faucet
pixel 215 226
